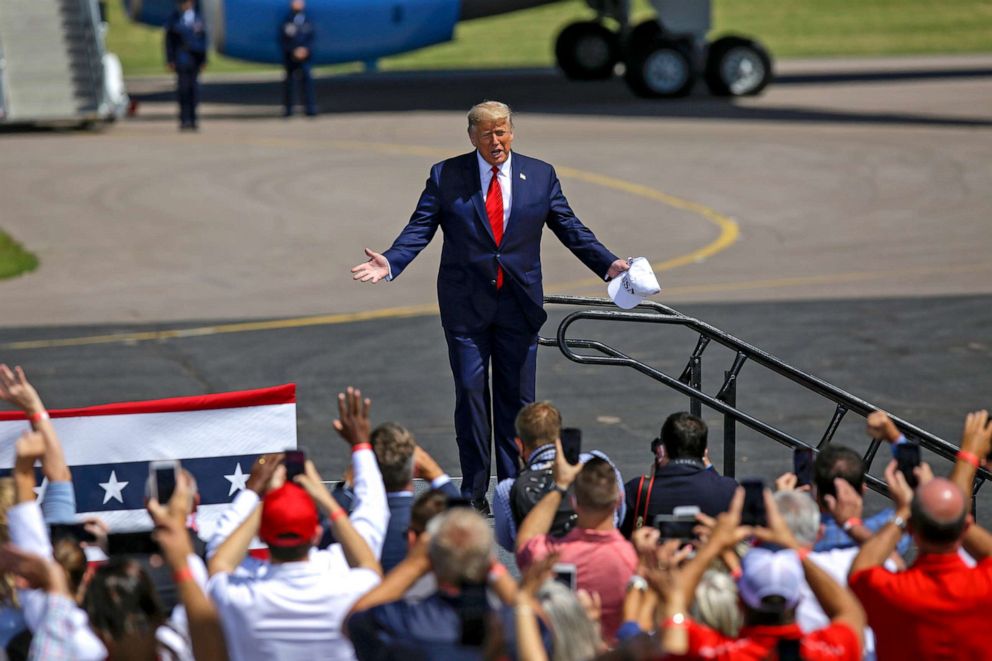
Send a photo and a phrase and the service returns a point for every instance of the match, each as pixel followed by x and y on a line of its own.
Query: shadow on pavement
pixel 546 91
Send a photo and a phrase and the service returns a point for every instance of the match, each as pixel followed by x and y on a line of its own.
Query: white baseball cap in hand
pixel 633 285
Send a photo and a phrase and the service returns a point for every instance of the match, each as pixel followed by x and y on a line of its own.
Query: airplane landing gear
pixel 587 51
pixel 736 66
pixel 663 57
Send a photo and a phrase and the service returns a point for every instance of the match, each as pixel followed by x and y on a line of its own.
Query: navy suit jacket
pixel 466 279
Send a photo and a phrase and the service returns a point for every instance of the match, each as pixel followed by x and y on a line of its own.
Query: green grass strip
pixel 14 259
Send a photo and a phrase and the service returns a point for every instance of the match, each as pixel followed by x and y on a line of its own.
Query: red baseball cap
pixel 289 517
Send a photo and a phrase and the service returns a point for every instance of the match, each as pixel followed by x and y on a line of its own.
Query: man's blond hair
pixel 489 111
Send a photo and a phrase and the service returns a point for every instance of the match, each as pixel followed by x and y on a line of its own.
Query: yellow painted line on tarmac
pixel 219 329
pixel 728 234
pixel 823 279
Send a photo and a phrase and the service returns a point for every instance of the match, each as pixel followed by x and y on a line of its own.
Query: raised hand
pixel 847 504
pixel 899 489
pixel 34 570
pixel 170 523
pixel 30 447
pixel 880 426
pixel 977 435
pixel 374 270
pixel 563 472
pixel 424 465
pixel 16 389
pixel 777 531
pixel 353 416
pixel 261 479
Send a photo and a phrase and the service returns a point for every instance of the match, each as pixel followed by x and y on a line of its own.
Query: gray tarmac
pixel 840 221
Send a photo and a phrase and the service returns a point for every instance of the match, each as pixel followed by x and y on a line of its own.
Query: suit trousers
pixel 509 346
pixel 298 70
pixel 188 88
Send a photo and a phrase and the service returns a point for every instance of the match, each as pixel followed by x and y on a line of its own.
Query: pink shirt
pixel 604 562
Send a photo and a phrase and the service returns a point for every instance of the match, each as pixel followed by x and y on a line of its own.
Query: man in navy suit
pixel 492 205
pixel 186 54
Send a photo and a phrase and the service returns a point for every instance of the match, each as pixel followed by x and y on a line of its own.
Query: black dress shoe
pixel 481 506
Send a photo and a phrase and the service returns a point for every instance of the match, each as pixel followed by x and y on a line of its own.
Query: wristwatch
pixel 560 490
pixel 899 522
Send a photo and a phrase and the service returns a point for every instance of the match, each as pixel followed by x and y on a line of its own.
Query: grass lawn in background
pixel 14 259
pixel 789 28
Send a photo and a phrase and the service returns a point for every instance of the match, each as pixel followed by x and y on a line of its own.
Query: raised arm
pixel 18 391
pixel 976 442
pixel 538 521
pixel 370 515
pixel 170 532
pixel 356 550
pixel 874 552
pixel 261 480
pixel 837 601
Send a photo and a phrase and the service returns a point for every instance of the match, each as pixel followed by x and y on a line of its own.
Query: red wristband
pixel 338 514
pixel 970 457
pixel 850 523
pixel 678 620
pixel 38 416
pixel 361 446
pixel 184 574
pixel 802 552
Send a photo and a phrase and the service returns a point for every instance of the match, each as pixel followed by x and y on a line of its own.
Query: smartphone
pixel 571 443
pixel 678 524
pixel 131 543
pixel 164 476
pixel 74 531
pixel 566 573
pixel 802 466
pixel 788 649
pixel 472 607
pixel 295 463
pixel 908 458
pixel 459 502
pixel 754 513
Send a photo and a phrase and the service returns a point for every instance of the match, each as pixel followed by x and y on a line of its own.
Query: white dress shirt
pixel 505 175
pixel 295 610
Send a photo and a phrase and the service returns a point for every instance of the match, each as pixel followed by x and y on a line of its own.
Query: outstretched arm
pixel 415 236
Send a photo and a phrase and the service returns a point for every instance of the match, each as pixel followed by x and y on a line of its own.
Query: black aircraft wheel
pixel 587 51
pixel 736 66
pixel 661 70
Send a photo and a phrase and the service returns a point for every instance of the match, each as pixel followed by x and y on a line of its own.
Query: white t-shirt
pixel 290 611
pixel 837 563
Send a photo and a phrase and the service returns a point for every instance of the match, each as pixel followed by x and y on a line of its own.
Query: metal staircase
pixel 51 61
pixel 689 381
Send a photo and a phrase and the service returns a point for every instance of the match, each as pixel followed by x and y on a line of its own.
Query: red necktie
pixel 494 209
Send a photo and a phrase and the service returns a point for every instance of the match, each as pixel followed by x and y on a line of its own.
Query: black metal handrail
pixel 689 382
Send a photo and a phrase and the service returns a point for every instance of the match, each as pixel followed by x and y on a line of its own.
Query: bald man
pixel 938 608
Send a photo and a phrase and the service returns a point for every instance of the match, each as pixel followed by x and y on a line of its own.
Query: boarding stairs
pixel 51 61
pixel 724 400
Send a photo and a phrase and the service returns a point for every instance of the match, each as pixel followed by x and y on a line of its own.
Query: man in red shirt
pixel 769 590
pixel 938 608
pixel 603 559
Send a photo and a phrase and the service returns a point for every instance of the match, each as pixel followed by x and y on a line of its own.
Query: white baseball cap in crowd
pixel 767 573
pixel 634 284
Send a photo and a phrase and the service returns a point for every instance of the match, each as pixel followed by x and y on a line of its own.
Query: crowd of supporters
pixel 607 568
